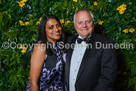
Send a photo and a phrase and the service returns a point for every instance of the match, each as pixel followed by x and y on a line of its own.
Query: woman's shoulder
pixel 39 49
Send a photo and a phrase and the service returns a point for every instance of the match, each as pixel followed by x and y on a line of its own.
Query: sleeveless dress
pixel 52 74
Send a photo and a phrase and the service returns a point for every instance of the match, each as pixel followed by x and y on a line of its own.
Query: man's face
pixel 83 24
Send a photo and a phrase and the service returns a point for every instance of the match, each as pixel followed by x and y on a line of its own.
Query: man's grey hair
pixel 89 11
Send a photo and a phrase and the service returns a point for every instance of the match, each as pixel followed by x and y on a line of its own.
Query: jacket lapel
pixel 85 58
pixel 68 59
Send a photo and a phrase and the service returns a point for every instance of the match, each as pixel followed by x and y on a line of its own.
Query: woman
pixel 47 61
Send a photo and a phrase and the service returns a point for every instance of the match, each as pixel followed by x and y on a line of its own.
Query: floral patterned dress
pixel 52 75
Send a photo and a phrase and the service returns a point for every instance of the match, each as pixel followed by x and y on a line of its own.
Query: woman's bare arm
pixel 37 61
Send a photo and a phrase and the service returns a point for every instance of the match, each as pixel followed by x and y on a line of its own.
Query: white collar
pixel 86 37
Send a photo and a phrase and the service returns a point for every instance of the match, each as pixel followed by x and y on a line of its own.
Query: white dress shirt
pixel 76 60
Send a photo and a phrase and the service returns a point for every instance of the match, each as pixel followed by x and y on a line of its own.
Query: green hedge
pixel 19 25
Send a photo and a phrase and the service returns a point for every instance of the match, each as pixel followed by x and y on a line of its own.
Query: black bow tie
pixel 79 40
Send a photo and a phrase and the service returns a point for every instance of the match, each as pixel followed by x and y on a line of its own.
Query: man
pixel 89 68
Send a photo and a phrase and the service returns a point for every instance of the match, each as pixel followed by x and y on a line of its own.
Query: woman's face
pixel 53 30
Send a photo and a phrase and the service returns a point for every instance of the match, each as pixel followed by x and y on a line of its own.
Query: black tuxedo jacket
pixel 98 68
